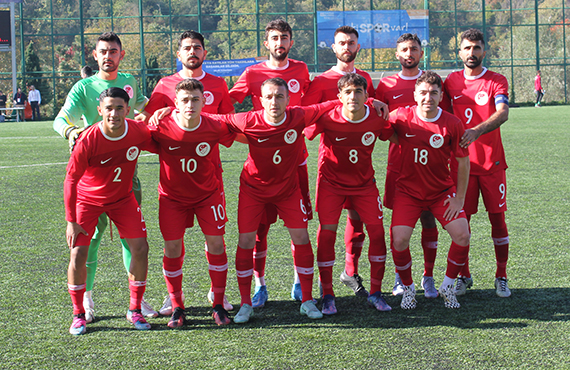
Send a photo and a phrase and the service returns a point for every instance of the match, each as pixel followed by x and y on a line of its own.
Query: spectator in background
pixel 2 100
pixel 20 97
pixel 86 72
pixel 35 99
pixel 538 90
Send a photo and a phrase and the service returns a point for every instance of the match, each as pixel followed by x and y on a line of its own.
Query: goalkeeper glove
pixel 72 134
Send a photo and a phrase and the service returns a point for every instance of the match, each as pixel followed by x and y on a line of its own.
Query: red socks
pixel 218 268
pixel 137 289
pixel 260 250
pixel 456 259
pixel 429 245
pixel 76 292
pixel 325 259
pixel 353 239
pixel 244 271
pixel 303 260
pixel 500 236
pixel 376 256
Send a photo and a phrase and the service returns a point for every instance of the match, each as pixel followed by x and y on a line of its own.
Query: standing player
pixel 324 88
pixel 349 133
pixel 82 100
pixel 428 136
pixel 480 100
pixel 278 40
pixel 538 90
pixel 189 186
pixel 99 180
pixel 398 91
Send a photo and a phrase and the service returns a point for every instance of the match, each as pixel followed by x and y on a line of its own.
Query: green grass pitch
pixel 528 330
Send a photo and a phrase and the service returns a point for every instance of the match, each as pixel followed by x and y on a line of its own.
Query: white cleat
pixel 462 283
pixel 146 310
pixel 88 305
pixel 244 314
pixel 502 287
pixel 398 286
pixel 166 309
pixel 449 297
pixel 227 305
pixel 409 297
pixel 428 285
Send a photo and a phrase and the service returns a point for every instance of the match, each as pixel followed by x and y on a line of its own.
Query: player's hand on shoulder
pixel 72 232
pixel 158 115
pixel 381 109
pixel 142 116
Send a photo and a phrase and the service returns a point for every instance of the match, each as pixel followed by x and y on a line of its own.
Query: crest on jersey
pixel 294 86
pixel 129 90
pixel 209 97
pixel 368 138
pixel 436 141
pixel 290 136
pixel 481 98
pixel 132 153
pixel 203 149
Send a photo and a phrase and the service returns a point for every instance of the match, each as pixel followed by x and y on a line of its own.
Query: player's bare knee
pixel 138 247
pixel 299 236
pixel 215 244
pixel 330 227
pixel 246 240
pixel 173 248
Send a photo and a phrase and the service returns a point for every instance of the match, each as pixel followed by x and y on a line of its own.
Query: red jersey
pixel 295 73
pixel 188 161
pixel 101 168
pixel 347 146
pixel 215 92
pixel 473 102
pixel 426 146
pixel 275 149
pixel 325 86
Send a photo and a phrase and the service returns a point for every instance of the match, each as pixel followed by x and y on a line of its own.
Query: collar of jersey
pixel 114 138
pixel 341 72
pixel 408 78
pixel 429 119
pixel 475 77
pixel 277 68
pixel 175 116
pixel 360 120
pixel 196 78
pixel 275 124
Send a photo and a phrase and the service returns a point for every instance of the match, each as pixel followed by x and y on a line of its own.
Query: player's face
pixel 189 103
pixel 278 43
pixel 191 53
pixel 114 111
pixel 409 53
pixel 353 98
pixel 345 47
pixel 427 97
pixel 108 55
pixel 274 100
pixel 472 53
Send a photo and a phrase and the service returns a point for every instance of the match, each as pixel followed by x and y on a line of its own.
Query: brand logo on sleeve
pixel 368 138
pixel 290 136
pixel 129 90
pixel 481 98
pixel 132 153
pixel 436 141
pixel 294 85
pixel 209 97
pixel 203 149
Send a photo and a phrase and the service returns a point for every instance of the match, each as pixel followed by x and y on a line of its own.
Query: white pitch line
pixel 55 164
pixel 29 137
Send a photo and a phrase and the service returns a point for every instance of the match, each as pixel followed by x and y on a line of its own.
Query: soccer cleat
pixel 409 297
pixel 354 282
pixel 329 307
pixel 227 305
pixel 136 318
pixel 220 315
pixel 502 287
pixel 166 309
pixel 259 297
pixel 88 306
pixel 378 302
pixel 462 283
pixel 147 310
pixel 178 318
pixel 449 296
pixel 78 326
pixel 308 308
pixel 398 286
pixel 296 293
pixel 244 314
pixel 428 286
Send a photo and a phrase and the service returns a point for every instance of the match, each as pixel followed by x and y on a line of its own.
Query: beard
pixel 109 68
pixel 411 66
pixel 279 57
pixel 193 63
pixel 473 62
pixel 346 58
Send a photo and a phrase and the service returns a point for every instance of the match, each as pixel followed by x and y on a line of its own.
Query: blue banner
pixel 223 68
pixel 376 28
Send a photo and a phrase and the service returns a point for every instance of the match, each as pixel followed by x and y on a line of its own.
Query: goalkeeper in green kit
pixel 82 100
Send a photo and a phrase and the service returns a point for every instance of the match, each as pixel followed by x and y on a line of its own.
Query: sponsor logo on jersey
pixel 290 136
pixel 132 153
pixel 436 141
pixel 203 149
pixel 368 138
pixel 294 85
pixel 129 90
pixel 481 98
pixel 209 97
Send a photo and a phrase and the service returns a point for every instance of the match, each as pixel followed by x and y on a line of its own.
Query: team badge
pixel 203 149
pixel 436 141
pixel 132 153
pixel 129 90
pixel 481 98
pixel 294 86
pixel 368 138
pixel 290 136
pixel 209 97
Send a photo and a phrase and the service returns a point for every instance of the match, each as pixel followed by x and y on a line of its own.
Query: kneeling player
pixel 98 181
pixel 189 186
pixel 427 136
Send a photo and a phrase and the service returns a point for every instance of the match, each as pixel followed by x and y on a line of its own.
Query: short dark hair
pixel 473 34
pixel 352 79
pixel 115 92
pixel 189 84
pixel 191 35
pixel 347 30
pixel 110 37
pixel 429 77
pixel 87 71
pixel 278 25
pixel 409 37
pixel 277 81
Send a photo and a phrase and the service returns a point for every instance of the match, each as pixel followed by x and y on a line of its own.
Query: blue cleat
pixel 329 307
pixel 260 297
pixel 78 326
pixel 377 301
pixel 296 293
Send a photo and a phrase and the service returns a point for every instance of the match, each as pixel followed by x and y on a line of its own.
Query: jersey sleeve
pixel 156 100
pixel 314 93
pixel 226 105
pixel 141 100
pixel 456 149
pixel 307 79
pixel 501 86
pixel 315 111
pixel 76 167
pixel 70 113
pixel 241 88
pixel 235 122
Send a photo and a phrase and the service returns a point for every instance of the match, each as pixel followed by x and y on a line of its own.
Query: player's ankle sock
pixel 260 250
pixel 304 258
pixel 326 258
pixel 500 236
pixel 76 292
pixel 218 268
pixel 353 239
pixel 456 258
pixel 403 262
pixel 447 281
pixel 244 271
pixel 429 246
pixel 376 256
pixel 137 289
pixel 172 270
pixel 259 280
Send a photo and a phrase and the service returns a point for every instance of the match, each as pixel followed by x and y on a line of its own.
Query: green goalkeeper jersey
pixel 83 99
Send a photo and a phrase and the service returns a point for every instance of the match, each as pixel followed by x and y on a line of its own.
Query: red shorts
pixel 174 216
pixel 492 187
pixel 407 209
pixel 330 201
pixel 126 215
pixel 290 209
pixel 390 188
